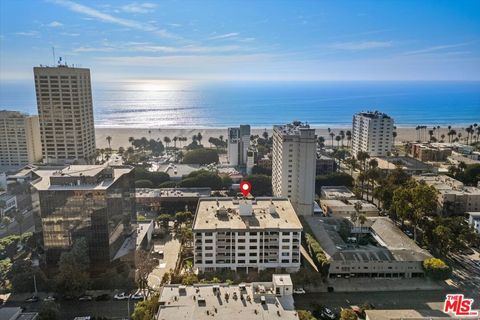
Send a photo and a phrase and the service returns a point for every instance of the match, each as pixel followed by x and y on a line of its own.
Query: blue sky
pixel 244 40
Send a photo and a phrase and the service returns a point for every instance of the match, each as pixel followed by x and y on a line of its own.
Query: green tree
pixel 305 315
pixel 164 220
pixel 49 311
pixel 201 156
pixel 21 275
pixel 146 310
pixel 144 183
pixel 261 185
pixel 202 178
pixel 348 314
pixel 332 179
pixel 72 276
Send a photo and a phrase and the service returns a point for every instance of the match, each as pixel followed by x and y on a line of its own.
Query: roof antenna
pixel 53 52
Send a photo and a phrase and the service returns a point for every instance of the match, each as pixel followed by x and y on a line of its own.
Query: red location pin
pixel 245 187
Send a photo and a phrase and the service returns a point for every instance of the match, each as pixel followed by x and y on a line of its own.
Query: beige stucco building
pixel 65 109
pixel 294 165
pixel 19 139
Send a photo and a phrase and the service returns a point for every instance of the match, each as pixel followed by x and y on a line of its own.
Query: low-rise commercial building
pixel 244 234
pixel 257 300
pixel 387 252
pixel 427 152
pixel 325 165
pixel 345 207
pixel 8 202
pixel 453 197
pixel 336 193
pixel 410 165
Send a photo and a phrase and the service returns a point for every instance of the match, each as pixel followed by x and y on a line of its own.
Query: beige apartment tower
pixel 294 165
pixel 65 109
pixel 19 139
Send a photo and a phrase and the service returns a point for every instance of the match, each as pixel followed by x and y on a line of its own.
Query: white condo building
pixel 294 165
pixel 372 133
pixel 243 234
pixel 238 144
pixel 64 101
pixel 19 139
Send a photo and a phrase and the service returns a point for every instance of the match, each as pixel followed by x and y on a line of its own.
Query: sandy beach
pixel 120 135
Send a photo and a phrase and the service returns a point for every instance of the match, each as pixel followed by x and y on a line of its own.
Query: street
pixel 14 228
pixel 419 299
pixel 71 309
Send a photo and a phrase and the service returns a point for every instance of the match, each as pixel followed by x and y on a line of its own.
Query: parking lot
pixel 171 249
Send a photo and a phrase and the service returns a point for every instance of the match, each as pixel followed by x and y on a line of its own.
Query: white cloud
pixel 136 7
pixel 28 33
pixel 146 47
pixel 55 24
pixel 93 49
pixel 224 36
pixel 361 45
pixel 108 18
pixel 436 48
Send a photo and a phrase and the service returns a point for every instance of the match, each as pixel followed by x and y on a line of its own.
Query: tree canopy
pixel 201 156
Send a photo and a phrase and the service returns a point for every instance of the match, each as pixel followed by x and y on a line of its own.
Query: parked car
pixel 33 298
pixel 68 297
pixel 103 297
pixel 85 297
pixel 299 291
pixel 409 233
pixel 121 296
pixel 137 296
pixel 49 299
pixel 327 313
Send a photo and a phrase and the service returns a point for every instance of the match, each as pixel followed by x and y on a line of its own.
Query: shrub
pixel 202 178
pixel 261 184
pixel 436 269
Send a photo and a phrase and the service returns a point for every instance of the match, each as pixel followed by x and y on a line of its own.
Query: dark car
pixel 33 298
pixel 103 297
pixel 68 297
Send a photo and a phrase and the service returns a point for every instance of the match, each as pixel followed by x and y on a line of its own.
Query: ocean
pixel 175 103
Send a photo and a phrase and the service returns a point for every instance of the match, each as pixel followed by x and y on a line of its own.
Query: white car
pixel 121 296
pixel 137 296
pixel 85 297
pixel 299 291
pixel 49 299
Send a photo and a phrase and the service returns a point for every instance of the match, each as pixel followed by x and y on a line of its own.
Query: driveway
pixel 171 250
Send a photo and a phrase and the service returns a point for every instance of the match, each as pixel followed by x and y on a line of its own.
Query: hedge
pixel 436 269
pixel 316 251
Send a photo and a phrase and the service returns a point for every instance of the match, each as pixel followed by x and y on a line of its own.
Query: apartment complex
pixel 453 197
pixel 64 101
pixel 19 139
pixel 372 133
pixel 243 234
pixel 85 201
pixel 238 144
pixel 429 152
pixel 294 165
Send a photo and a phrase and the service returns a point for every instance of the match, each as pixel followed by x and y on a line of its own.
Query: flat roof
pixel 407 163
pixel 223 213
pixel 337 192
pixel 172 192
pixel 43 184
pixel 176 170
pixel 393 245
pixel 182 303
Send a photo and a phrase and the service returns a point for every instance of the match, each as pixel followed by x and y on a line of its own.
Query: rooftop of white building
pixel 292 129
pixel 206 301
pixel 337 192
pixel 172 192
pixel 235 214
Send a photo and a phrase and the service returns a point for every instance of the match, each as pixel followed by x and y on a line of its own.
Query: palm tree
pixel 332 134
pixel 131 139
pixel 220 137
pixel 321 142
pixel 265 135
pixel 167 141
pixel 443 137
pixel 175 142
pixel 349 137
pixel 109 140
pixel 338 138
pixel 342 136
pixel 199 138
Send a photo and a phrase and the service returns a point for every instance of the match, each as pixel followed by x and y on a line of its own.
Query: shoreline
pixel 120 135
